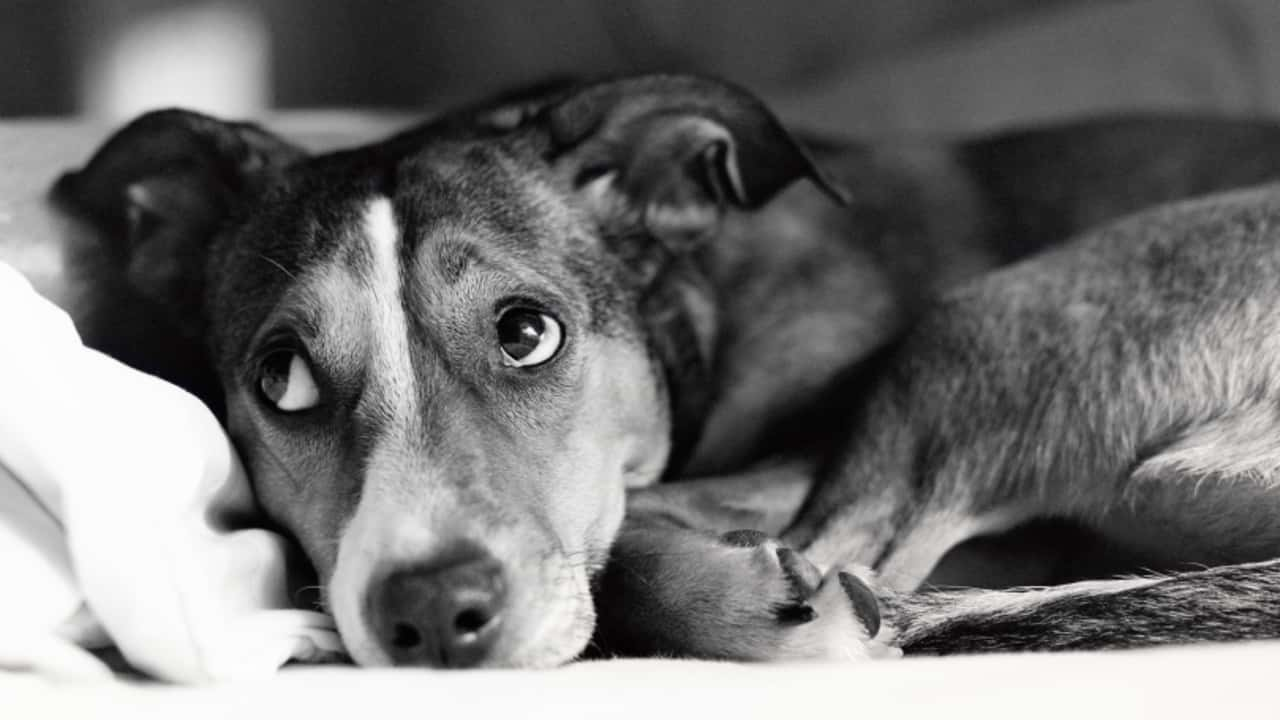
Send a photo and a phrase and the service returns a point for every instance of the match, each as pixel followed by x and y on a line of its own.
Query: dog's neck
pixel 758 348
pixel 803 287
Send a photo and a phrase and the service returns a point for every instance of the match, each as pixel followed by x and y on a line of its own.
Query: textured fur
pixel 717 315
pixel 1234 602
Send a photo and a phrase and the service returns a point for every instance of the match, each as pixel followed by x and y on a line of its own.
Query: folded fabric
pixel 123 510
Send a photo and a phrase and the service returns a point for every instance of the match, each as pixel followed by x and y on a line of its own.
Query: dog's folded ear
pixel 673 151
pixel 161 187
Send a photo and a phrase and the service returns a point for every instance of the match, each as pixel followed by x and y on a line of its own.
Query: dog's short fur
pixel 714 315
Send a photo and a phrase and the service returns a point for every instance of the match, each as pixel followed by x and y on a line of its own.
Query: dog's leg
pixel 671 590
pixel 850 616
pixel 1234 602
pixel 695 573
pixel 898 500
pixel 676 587
pixel 1207 495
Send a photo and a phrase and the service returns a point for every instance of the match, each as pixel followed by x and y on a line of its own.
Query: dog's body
pixel 446 355
pixel 804 286
pixel 982 354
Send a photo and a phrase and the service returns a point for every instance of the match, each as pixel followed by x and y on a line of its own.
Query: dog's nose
pixel 445 613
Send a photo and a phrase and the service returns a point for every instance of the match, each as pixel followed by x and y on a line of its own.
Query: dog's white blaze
pixel 364 539
pixel 391 329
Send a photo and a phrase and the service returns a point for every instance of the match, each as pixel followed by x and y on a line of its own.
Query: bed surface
pixel 1204 682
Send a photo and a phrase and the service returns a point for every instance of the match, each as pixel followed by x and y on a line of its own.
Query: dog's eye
pixel 528 337
pixel 286 381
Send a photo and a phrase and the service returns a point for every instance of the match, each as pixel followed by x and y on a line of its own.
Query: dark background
pixel 864 64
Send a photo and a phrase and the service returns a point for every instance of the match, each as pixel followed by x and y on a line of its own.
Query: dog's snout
pixel 444 613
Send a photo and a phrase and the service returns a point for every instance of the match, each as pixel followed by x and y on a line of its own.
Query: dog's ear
pixel 663 157
pixel 672 152
pixel 159 190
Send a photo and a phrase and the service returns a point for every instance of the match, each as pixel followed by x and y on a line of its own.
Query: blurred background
pixel 854 66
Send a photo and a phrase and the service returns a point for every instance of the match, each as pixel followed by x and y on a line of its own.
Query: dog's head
pixel 445 356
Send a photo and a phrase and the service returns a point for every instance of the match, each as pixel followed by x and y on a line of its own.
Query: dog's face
pixel 442 404
pixel 445 357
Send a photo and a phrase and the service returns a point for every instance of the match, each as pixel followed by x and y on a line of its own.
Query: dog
pixel 449 357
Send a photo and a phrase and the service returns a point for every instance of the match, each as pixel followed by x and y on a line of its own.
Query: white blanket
pixel 116 495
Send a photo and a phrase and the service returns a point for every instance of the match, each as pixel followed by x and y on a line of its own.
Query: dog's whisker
pixel 277 265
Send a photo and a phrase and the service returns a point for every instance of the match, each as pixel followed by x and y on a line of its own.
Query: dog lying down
pixel 450 359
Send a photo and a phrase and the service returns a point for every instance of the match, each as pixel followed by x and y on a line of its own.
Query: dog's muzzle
pixel 443 613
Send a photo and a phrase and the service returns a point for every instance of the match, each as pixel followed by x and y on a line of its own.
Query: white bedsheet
pixel 1213 682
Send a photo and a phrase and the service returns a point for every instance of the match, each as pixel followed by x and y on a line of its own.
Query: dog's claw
pixel 804 577
pixel 742 595
pixel 865 605
pixel 831 616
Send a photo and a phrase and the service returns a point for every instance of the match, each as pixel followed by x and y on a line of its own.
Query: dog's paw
pixel 811 615
pixel 742 596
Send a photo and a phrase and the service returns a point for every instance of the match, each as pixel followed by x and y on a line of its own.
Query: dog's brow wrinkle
pixel 455 258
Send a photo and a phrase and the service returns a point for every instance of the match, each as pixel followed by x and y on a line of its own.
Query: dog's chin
pixel 549 624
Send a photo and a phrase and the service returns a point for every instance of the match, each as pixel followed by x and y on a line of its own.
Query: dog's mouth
pixel 411 598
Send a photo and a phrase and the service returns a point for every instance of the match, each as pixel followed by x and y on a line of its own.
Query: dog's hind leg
pixel 1210 496
pixel 1207 495
pixel 1234 602
pixel 898 505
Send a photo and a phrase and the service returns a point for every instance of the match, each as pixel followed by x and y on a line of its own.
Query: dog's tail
pixel 1234 602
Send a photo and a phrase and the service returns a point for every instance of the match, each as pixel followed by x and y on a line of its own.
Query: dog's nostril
pixel 405 636
pixel 471 621
pixel 447 613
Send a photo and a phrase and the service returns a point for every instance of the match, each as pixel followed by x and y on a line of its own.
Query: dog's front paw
pixel 835 616
pixel 742 596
